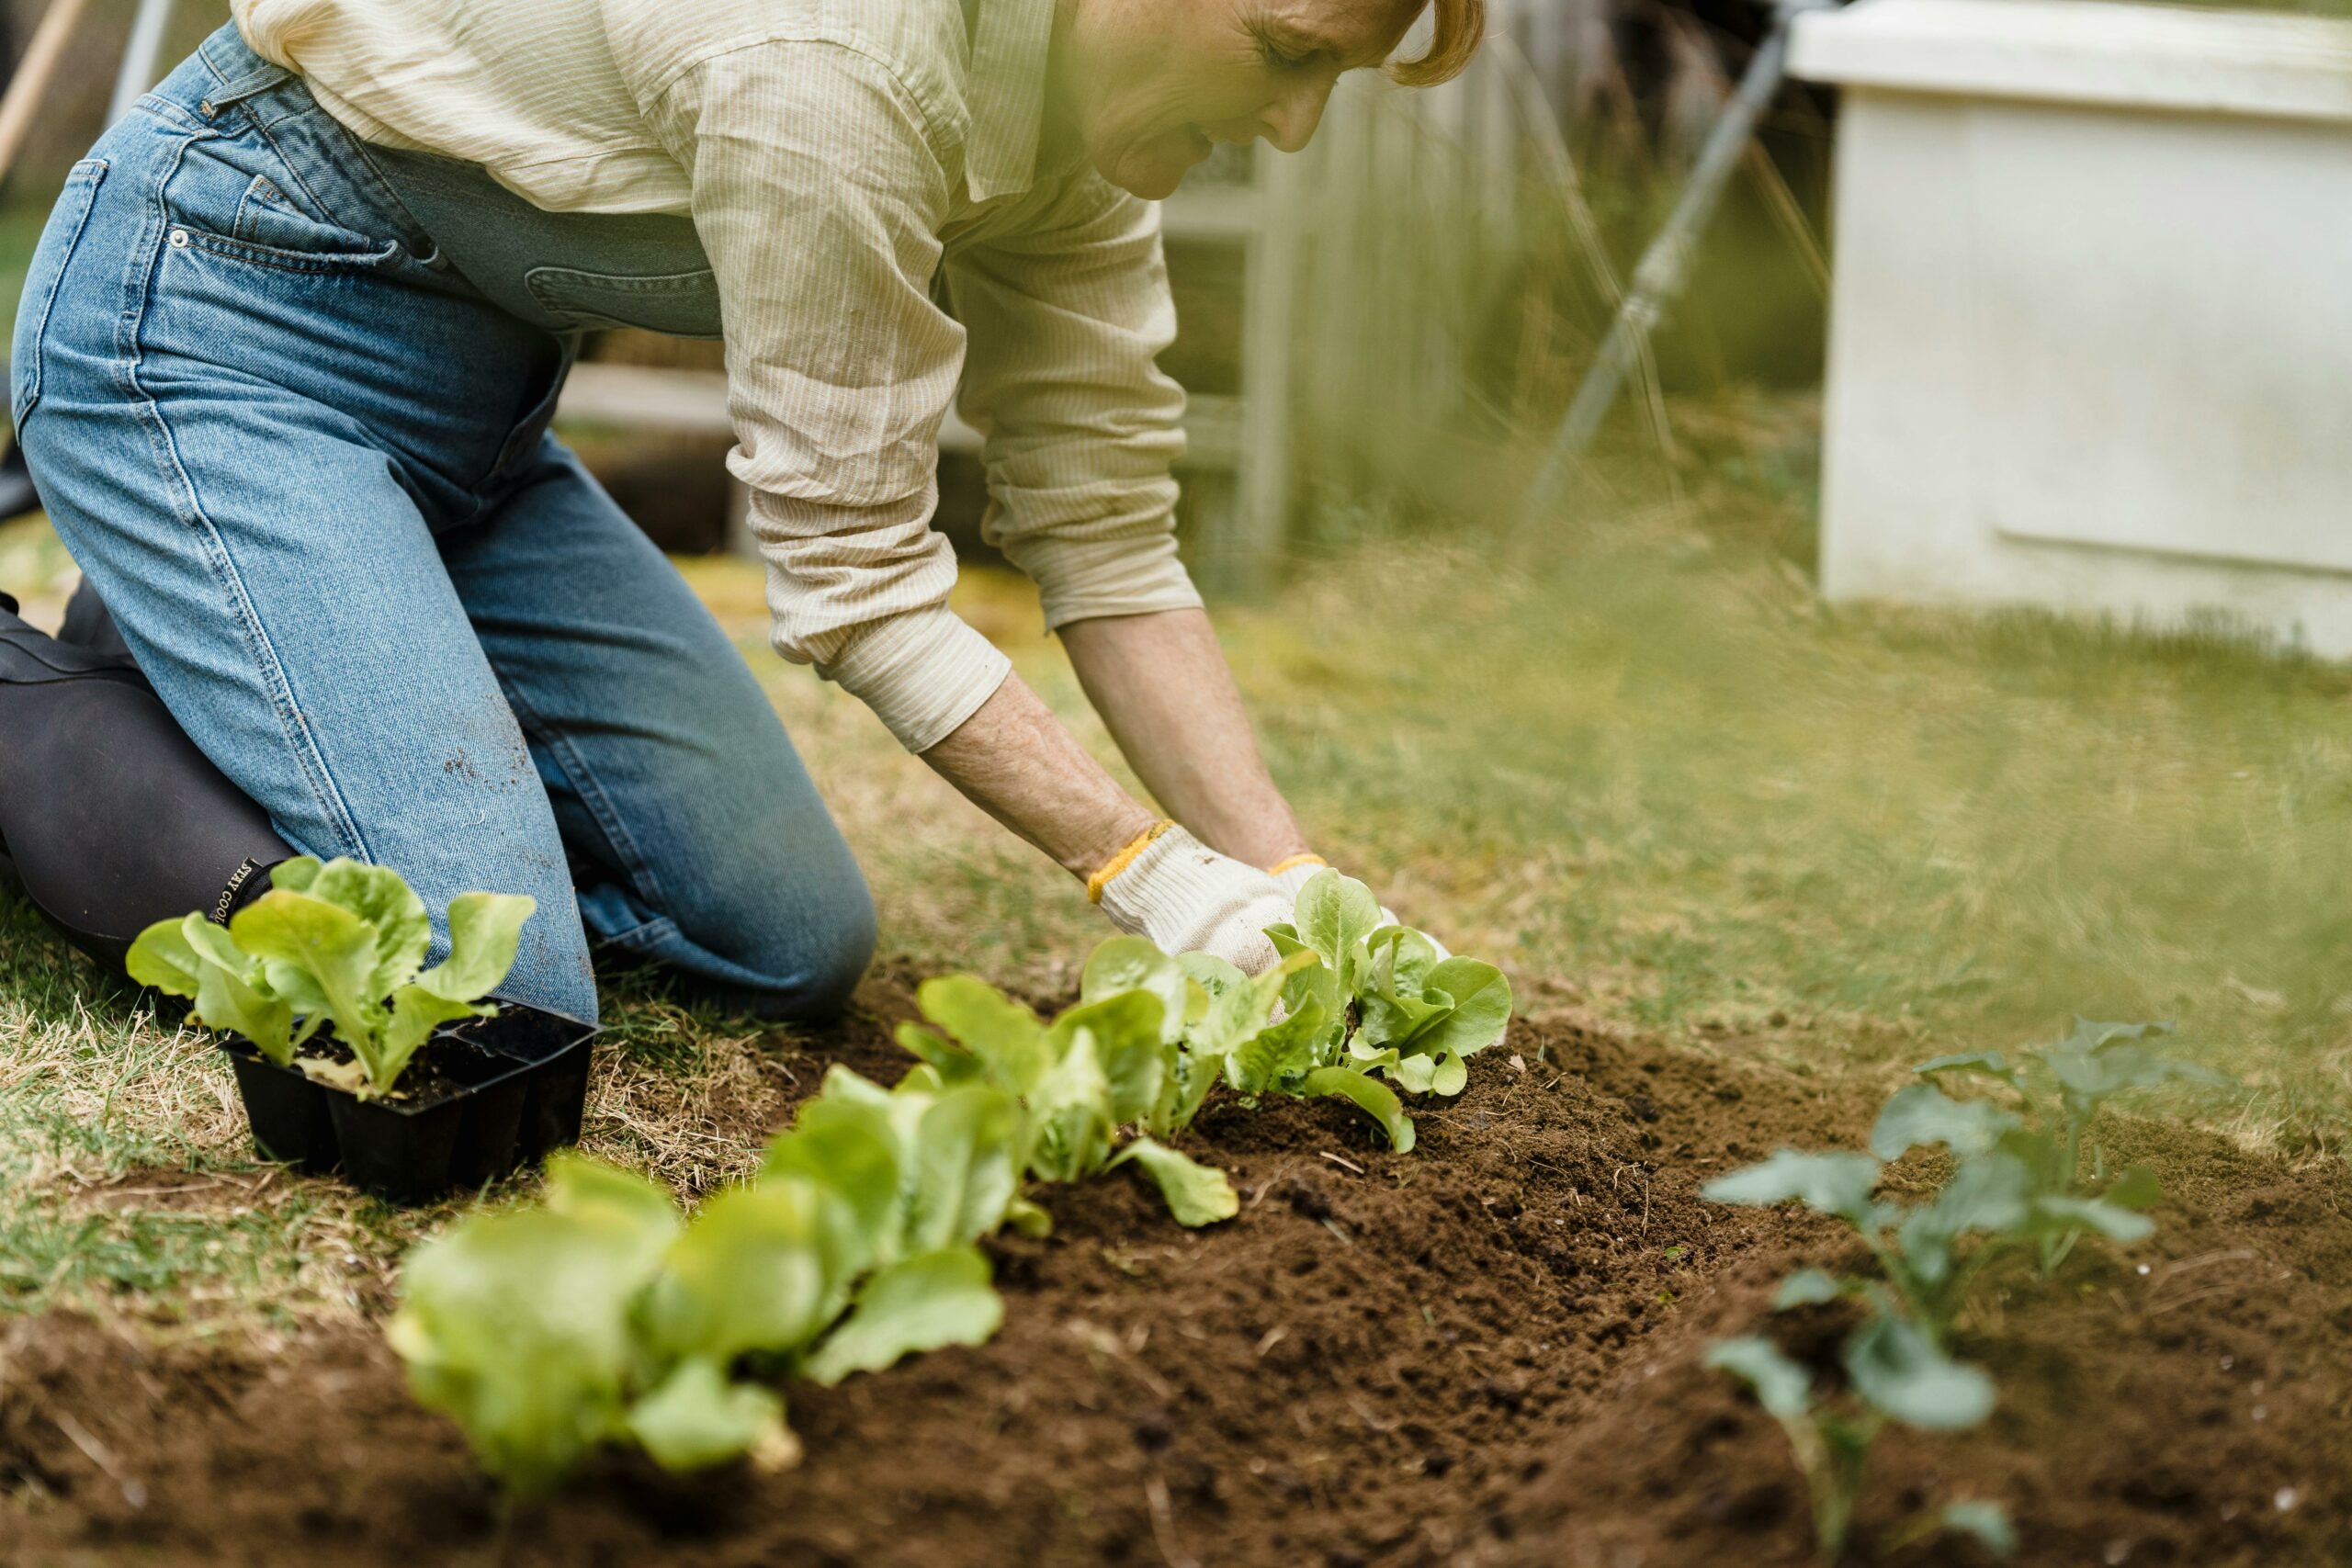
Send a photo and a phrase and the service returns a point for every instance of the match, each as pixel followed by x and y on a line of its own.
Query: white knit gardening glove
pixel 1184 897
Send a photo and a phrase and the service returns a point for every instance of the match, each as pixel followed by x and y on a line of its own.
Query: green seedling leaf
pixel 484 931
pixel 697 1419
pixel 1481 1012
pixel 1781 1387
pixel 416 1013
pixel 296 873
pixel 1007 1037
pixel 1238 1011
pixel 1197 1194
pixel 311 948
pixel 850 1148
pixel 391 909
pixel 1026 1218
pixel 755 1272
pixel 1278 1056
pixel 1403 959
pixel 965 1151
pixel 2092 1036
pixel 1450 1076
pixel 1990 1193
pixel 1896 1368
pixel 1809 1287
pixel 517 1325
pixel 1334 914
pixel 228 997
pixel 622 1203
pixel 1071 1116
pixel 1972 1063
pixel 1375 1099
pixel 1128 1044
pixel 1130 963
pixel 920 1304
pixel 1987 1522
pixel 1838 1184
pixel 2136 1188
pixel 1217 976
pixel 2057 1213
pixel 942 1055
pixel 1397 1001
pixel 161 956
pixel 1921 1115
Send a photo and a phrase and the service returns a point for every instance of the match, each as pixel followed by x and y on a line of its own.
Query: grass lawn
pixel 1635 761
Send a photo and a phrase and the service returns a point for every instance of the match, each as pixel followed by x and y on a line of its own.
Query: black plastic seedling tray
pixel 522 1085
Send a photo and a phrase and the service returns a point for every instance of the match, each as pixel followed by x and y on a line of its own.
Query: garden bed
pixel 1482 1352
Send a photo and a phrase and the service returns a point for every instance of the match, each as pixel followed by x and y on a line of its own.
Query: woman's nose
pixel 1291 119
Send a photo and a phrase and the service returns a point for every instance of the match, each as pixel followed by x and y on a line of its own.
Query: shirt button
pixel 179 239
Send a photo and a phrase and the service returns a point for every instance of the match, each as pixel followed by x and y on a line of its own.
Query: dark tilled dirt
pixel 1481 1353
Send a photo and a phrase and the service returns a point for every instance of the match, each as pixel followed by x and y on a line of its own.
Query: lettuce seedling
pixel 1299 1055
pixel 1893 1373
pixel 608 1317
pixel 341 944
pixel 1139 1051
pixel 1398 1003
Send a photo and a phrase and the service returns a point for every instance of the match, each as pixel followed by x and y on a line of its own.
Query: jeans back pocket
pixel 679 304
pixel 59 238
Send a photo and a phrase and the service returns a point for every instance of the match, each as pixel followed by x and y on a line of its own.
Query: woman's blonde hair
pixel 1460 29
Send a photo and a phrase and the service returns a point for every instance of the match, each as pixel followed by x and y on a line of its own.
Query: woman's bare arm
pixel 1162 685
pixel 1018 762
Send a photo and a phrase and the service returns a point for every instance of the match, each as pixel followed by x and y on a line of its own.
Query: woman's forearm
pixel 1162 685
pixel 1015 760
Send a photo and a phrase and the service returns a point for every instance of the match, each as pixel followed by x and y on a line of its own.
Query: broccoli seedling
pixel 341 944
pixel 2056 1090
pixel 1893 1373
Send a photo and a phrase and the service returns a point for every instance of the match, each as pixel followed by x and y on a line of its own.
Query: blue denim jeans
pixel 306 465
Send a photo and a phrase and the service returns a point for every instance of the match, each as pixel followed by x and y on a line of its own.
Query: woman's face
pixel 1151 85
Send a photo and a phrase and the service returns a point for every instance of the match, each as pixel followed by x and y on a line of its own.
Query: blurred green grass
pixel 1644 763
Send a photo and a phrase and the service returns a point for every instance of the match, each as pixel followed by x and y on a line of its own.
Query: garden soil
pixel 1481 1353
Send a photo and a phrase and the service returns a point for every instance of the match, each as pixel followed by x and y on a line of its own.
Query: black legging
pixel 111 816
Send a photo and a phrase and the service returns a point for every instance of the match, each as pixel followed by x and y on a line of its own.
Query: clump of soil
pixel 1480 1353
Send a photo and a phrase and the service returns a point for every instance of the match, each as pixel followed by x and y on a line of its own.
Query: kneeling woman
pixel 290 346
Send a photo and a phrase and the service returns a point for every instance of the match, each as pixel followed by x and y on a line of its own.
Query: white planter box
pixel 2091 343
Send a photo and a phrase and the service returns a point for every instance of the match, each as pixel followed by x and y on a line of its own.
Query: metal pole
pixel 42 56
pixel 1666 266
pixel 141 57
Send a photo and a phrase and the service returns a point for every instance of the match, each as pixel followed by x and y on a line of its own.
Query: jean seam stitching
pixel 139 283
pixel 330 265
pixel 88 195
pixel 379 187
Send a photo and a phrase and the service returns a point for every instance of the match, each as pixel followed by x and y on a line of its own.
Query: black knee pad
pixel 109 816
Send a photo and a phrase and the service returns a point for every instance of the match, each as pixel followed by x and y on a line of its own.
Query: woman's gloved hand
pixel 1184 897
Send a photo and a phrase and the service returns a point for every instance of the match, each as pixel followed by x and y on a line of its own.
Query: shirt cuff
pixel 1085 579
pixel 923 673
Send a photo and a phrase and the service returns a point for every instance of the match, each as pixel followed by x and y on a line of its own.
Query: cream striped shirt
pixel 836 157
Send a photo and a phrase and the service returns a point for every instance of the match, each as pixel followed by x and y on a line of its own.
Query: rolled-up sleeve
pixel 817 194
pixel 1067 320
